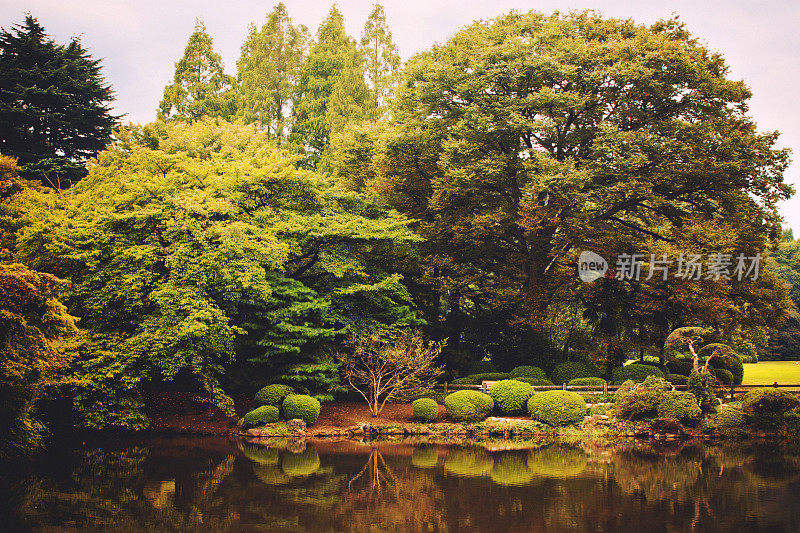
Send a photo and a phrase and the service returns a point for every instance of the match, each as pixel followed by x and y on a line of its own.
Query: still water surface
pixel 213 484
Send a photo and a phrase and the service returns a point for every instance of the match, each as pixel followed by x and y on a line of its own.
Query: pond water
pixel 214 484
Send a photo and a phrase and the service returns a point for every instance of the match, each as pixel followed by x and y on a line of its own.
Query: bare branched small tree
pixel 381 370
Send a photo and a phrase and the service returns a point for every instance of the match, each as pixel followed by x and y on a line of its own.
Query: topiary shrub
pixel 527 372
pixel 273 395
pixel 535 381
pixel 636 372
pixel 511 396
pixel 683 367
pixel 725 377
pixel 725 358
pixel 266 414
pixel 468 405
pixel 701 384
pixel 571 370
pixel 677 379
pixel 681 406
pixel 767 406
pixel 301 406
pixel 477 379
pixel 639 403
pixel 557 407
pixel 731 416
pixel 425 409
pixel 586 381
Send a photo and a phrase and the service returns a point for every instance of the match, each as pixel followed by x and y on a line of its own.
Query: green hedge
pixel 535 381
pixel 635 371
pixel 511 396
pixel 477 379
pixel 425 409
pixel 683 367
pixel 301 406
pixel 677 379
pixel 586 381
pixel 557 407
pixel 681 406
pixel 273 395
pixel 768 405
pixel 569 370
pixel 527 372
pixel 468 405
pixel 266 414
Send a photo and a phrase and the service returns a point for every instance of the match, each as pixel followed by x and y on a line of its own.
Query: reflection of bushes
pixel 557 461
pixel 260 454
pixel 468 462
pixel 771 468
pixel 510 468
pixel 270 475
pixel 425 457
pixel 656 477
pixel 300 464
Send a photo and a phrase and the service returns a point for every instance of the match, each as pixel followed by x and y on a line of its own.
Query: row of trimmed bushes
pixel 277 399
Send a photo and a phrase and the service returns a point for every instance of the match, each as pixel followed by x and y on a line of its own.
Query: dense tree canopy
pixel 525 139
pixel 54 112
pixel 194 248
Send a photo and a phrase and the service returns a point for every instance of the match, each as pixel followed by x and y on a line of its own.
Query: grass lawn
pixel 768 372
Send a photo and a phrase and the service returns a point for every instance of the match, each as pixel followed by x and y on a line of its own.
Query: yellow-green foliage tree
pixel 197 247
pixel 33 323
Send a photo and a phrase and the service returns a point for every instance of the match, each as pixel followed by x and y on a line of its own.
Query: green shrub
pixel 535 381
pixel 273 395
pixel 683 367
pixel 639 403
pixel 681 406
pixel 568 370
pixel 425 409
pixel 266 414
pixel 557 407
pixel 731 416
pixel 301 406
pixel 702 386
pixel 767 406
pixel 725 377
pixel 435 395
pixel 726 359
pixel 511 396
pixel 477 379
pixel 623 390
pixel 586 381
pixel 677 379
pixel 636 372
pixel 527 372
pixel 468 405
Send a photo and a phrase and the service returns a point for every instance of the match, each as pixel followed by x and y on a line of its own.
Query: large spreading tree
pixel 528 138
pixel 54 112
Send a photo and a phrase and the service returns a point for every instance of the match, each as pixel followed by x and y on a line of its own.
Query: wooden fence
pixel 610 389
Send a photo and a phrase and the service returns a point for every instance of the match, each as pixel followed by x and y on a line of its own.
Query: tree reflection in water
pixel 210 485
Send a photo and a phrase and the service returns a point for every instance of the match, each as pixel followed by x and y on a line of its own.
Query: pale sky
pixel 140 41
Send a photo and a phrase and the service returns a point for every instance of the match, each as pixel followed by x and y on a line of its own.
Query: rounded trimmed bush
pixel 527 372
pixel 557 407
pixel 266 414
pixel 535 381
pixel 301 406
pixel 635 371
pixel 273 395
pixel 725 377
pixel 586 381
pixel 682 406
pixel 769 405
pixel 571 370
pixel 730 361
pixel 511 396
pixel 468 405
pixel 477 379
pixel 639 403
pixel 425 409
pixel 683 367
pixel 300 464
pixel 677 379
pixel 731 416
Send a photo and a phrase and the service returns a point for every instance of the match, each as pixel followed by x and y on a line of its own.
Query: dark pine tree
pixel 54 112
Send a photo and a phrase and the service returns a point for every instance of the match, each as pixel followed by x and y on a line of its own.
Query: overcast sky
pixel 140 41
